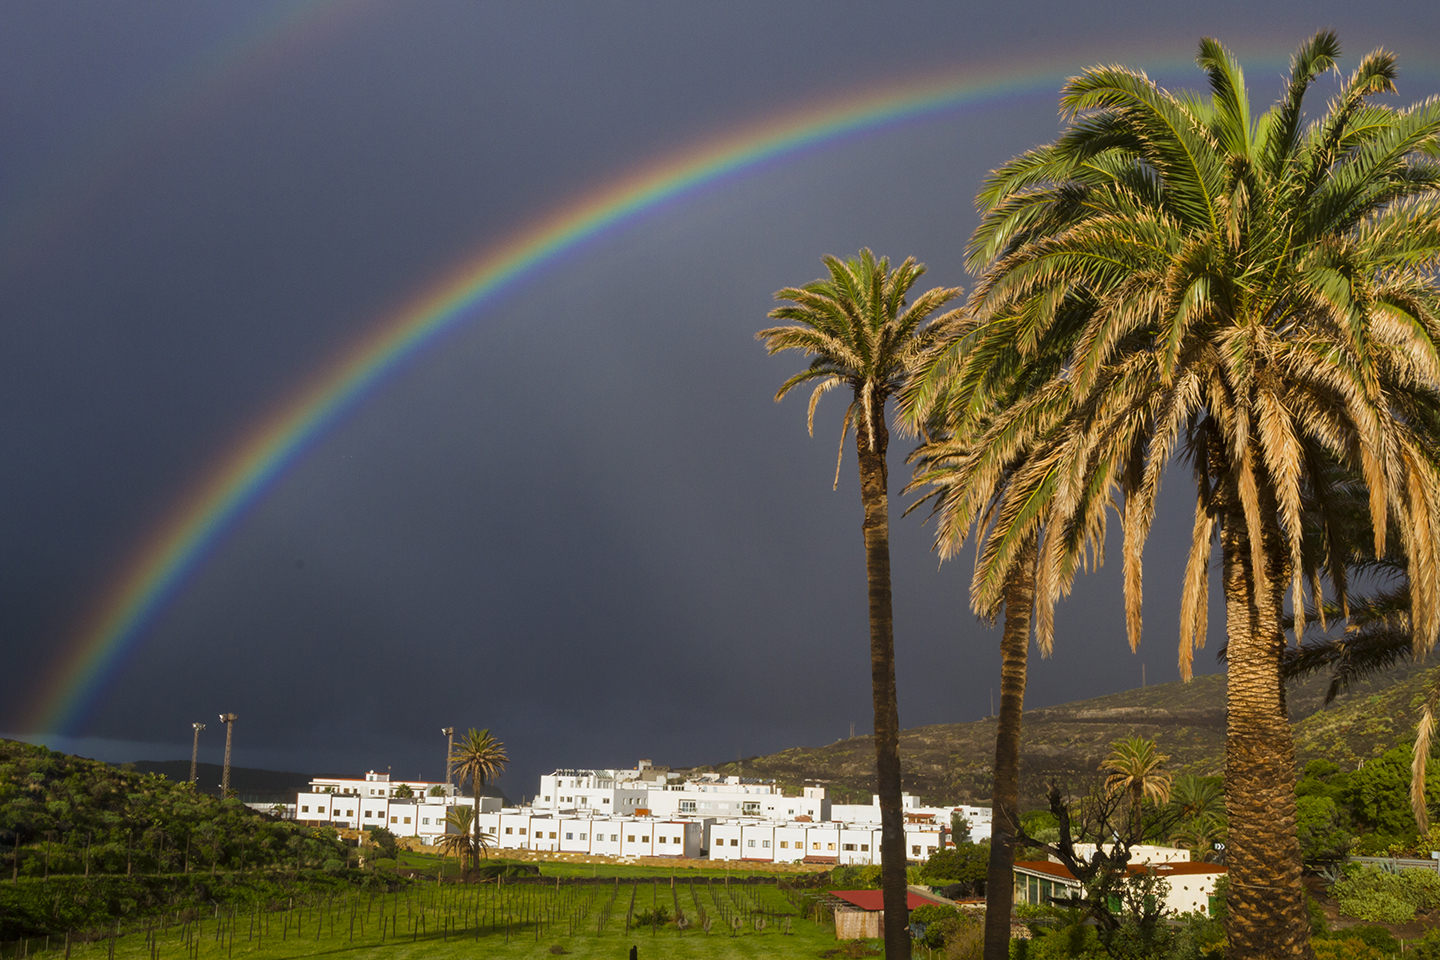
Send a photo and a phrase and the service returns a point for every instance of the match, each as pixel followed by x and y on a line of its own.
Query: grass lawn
pixel 485 920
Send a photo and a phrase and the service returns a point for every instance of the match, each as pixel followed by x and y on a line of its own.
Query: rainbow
pixel 166 560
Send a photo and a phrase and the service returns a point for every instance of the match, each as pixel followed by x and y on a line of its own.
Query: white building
pixel 1192 885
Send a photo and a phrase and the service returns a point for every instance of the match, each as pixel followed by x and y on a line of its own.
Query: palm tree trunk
pixel 1266 914
pixel 1005 795
pixel 874 495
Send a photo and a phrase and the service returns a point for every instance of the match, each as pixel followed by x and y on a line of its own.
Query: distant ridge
pixel 952 762
pixel 252 784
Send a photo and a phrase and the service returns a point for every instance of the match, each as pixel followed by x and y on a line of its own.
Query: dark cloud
pixel 579 519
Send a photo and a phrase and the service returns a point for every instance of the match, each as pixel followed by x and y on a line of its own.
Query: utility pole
pixel 449 749
pixel 195 750
pixel 229 720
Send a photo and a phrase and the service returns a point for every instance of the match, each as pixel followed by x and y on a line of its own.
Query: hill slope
pixel 952 762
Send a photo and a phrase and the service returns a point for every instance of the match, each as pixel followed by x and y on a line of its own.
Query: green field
pixel 512 919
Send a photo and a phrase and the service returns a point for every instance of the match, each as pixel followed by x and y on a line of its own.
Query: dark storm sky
pixel 579 519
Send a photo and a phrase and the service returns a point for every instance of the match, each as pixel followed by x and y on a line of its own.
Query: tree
pixel 463 839
pixel 860 332
pixel 1135 770
pixel 404 791
pixel 1258 295
pixel 481 758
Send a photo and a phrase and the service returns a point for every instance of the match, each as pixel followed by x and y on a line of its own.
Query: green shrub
pixel 1376 896
pixel 1426 948
pixel 1346 948
pixel 645 918
pixel 1422 887
pixel 1377 937
pixel 332 866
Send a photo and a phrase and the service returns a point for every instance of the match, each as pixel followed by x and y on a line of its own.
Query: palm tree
pixel 481 758
pixel 467 843
pixel 1257 294
pixel 1135 769
pixel 861 333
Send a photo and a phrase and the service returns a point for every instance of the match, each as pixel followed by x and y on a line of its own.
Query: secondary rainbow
pixel 155 572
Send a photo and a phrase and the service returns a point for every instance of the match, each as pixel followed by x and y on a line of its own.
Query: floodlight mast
pixel 195 749
pixel 449 749
pixel 229 720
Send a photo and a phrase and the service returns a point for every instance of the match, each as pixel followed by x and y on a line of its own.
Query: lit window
pixel 644 839
pixel 630 838
pixel 509 829
pixel 830 846
pixel 407 819
pixel 814 846
pixel 397 819
pixel 522 831
pixel 552 834
pixel 848 846
pixel 784 844
pixel 304 809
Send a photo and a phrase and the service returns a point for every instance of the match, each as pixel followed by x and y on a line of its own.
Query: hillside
pixel 250 783
pixel 951 762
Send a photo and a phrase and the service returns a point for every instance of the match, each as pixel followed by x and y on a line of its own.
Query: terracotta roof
pixel 1180 869
pixel 875 899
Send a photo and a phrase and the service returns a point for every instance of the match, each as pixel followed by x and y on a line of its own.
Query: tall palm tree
pixel 479 757
pixel 1256 293
pixel 1136 767
pixel 861 333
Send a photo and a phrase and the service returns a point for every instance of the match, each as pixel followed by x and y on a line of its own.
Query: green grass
pixel 466 921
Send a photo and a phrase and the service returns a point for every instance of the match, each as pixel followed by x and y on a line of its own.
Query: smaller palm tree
pixel 466 843
pixel 1135 768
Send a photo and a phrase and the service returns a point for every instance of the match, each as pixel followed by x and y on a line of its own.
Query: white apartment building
pixel 642 812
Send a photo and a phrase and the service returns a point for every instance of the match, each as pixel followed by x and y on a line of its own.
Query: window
pixel 630 838
pixel 687 806
pixel 407 819
pixel 749 843
pixel 784 844
pixel 304 809
pixel 547 798
pixel 929 850
pixel 569 835
pixel 552 834
pixel 765 843
pixel 847 846
pixel 661 839
pixel 644 839
pixel 614 838
pixel 425 820
pixel 582 836
pixel 349 813
pixel 397 819
pixel 915 850
pixel 734 843
pixel 522 831
pixel 509 829
pixel 606 800
pixel 814 846
pixel 864 848
pixel 677 840
pixel 829 846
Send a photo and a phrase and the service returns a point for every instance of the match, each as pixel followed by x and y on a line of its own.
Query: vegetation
pixel 862 334
pixel 480 758
pixel 444 921
pixel 65 815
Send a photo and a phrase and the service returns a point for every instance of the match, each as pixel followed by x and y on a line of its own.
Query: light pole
pixel 229 720
pixel 449 749
pixel 195 750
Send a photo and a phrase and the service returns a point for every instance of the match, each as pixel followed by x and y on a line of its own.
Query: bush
pixel 1370 894
pixel 1422 886
pixel 333 866
pixel 1426 948
pixel 645 918
pixel 1345 948
pixel 1377 937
